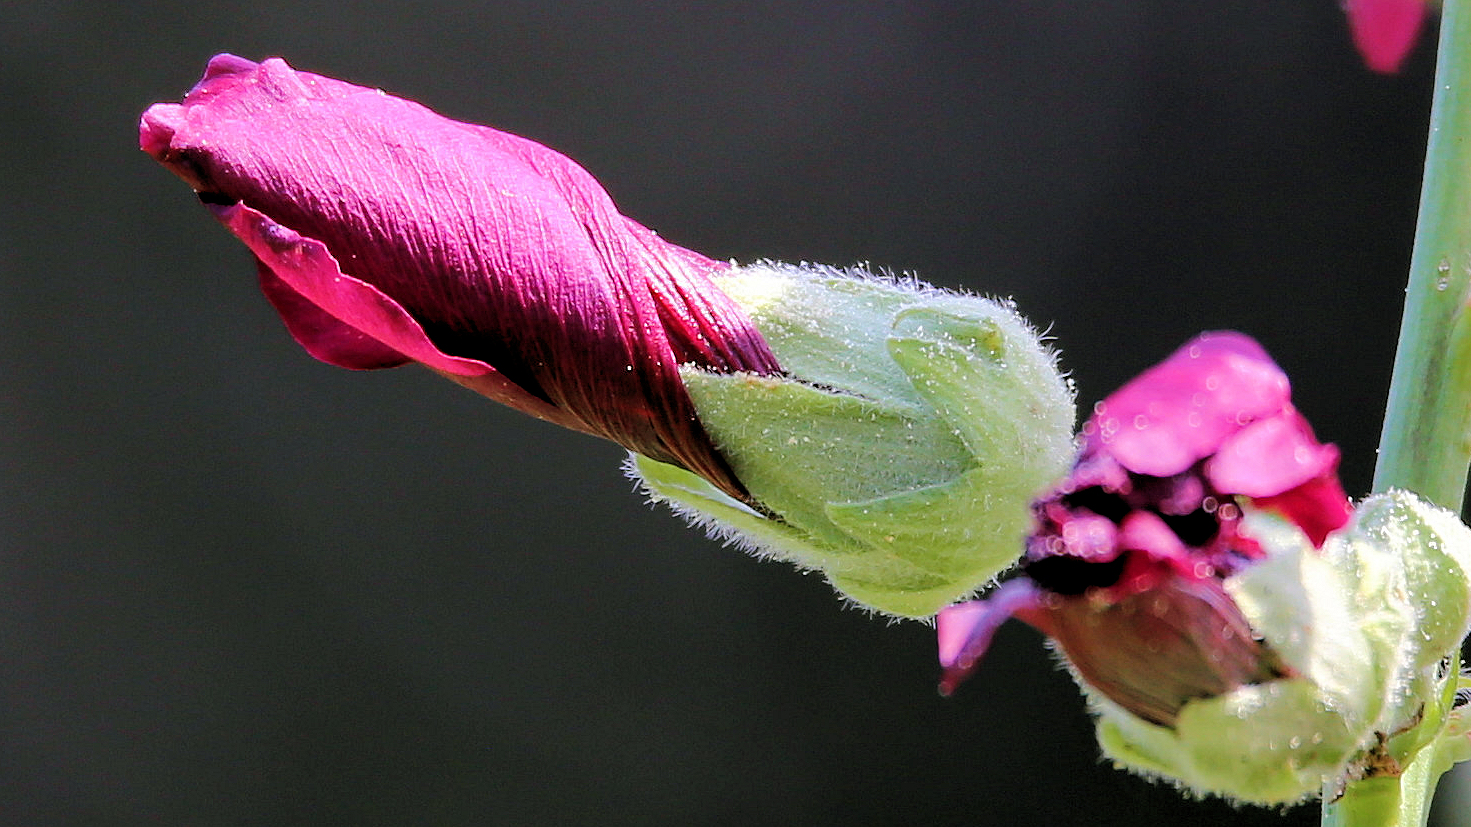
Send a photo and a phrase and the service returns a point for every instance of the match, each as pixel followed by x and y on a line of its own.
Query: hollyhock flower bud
pixel 886 433
pixel 1238 628
pixel 1384 31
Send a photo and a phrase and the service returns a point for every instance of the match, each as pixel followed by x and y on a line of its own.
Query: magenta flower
pixel 1124 569
pixel 1384 31
pixel 387 234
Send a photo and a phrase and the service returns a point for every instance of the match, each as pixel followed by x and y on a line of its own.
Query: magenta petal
pixel 487 257
pixel 342 320
pixel 1178 412
pixel 304 265
pixel 157 127
pixel 1270 456
pixel 1384 31
pixel 1086 536
pixel 323 335
pixel 1145 531
pixel 1158 553
pixel 1318 507
pixel 964 631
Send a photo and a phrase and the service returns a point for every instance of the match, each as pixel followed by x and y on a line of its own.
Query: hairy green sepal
pixel 898 454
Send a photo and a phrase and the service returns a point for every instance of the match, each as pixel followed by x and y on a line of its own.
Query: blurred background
pixel 241 587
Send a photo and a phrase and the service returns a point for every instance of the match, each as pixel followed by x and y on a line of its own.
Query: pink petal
pixel 1385 30
pixel 503 254
pixel 1086 536
pixel 1180 411
pixel 346 322
pixel 964 631
pixel 1270 456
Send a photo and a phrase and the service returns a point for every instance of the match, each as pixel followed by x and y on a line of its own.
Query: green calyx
pixel 900 452
pixel 1369 626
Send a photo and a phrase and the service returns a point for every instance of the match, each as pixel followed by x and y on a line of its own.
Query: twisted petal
pixel 484 256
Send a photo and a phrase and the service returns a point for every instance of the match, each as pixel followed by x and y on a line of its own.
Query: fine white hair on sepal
pixel 899 449
pixel 716 529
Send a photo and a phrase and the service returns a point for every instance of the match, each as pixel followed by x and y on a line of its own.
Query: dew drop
pixel 1442 275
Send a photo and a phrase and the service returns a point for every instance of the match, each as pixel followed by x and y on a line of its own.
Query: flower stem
pixel 1386 801
pixel 1426 443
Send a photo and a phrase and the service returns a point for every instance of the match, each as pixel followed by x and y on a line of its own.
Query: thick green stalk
pixel 1387 801
pixel 1426 443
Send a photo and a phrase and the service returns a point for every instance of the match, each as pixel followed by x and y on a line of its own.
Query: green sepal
pixel 1368 627
pixel 989 384
pixel 899 451
pixel 1267 744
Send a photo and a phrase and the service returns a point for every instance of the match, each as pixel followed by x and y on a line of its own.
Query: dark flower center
pixel 1072 576
pixel 1100 501
pixel 1202 519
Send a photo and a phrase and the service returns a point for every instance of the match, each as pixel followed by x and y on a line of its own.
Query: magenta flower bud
pixel 895 445
pixel 387 234
pixel 1126 565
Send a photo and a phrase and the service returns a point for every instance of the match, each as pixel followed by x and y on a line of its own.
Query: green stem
pixel 1386 801
pixel 1426 443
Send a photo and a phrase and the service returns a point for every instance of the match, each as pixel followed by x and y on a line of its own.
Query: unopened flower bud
pixel 888 434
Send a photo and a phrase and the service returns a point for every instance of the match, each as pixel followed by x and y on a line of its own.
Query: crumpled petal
pixel 964 631
pixel 1178 412
pixel 1129 553
pixel 1280 464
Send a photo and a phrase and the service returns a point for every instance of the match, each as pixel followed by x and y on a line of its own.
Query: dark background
pixel 241 587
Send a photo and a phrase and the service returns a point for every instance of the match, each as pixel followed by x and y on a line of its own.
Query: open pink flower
pixel 1384 31
pixel 1125 564
pixel 388 234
